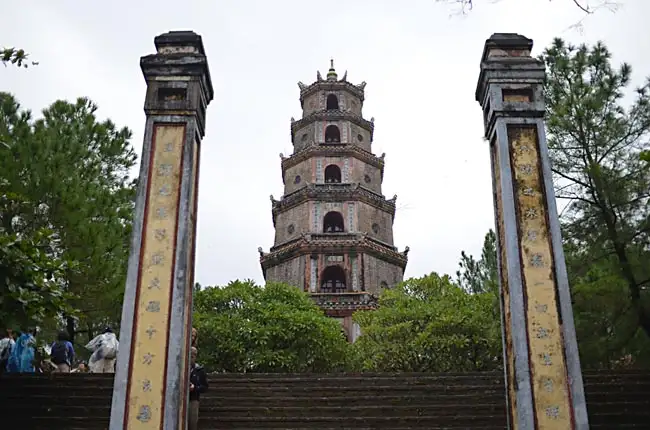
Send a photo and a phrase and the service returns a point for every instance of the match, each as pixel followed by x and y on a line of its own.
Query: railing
pixel 352 299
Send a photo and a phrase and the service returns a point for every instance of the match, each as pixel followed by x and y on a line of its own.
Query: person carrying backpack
pixel 6 345
pixel 62 353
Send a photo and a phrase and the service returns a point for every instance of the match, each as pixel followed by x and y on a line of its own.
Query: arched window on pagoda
pixel 333 280
pixel 332 134
pixel 333 223
pixel 332 102
pixel 333 174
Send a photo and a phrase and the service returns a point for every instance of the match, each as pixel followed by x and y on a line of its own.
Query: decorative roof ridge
pixel 306 90
pixel 350 191
pixel 357 240
pixel 301 155
pixel 358 119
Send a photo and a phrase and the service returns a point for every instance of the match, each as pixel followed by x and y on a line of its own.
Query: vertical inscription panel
pixel 548 366
pixel 149 348
pixel 503 278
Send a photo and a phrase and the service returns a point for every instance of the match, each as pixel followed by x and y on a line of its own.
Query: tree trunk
pixel 69 324
pixel 628 274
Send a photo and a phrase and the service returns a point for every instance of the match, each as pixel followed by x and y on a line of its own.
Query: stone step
pixel 352 411
pixel 423 422
pixel 340 380
pixel 217 399
pixel 289 412
pixel 262 393
pixel 598 392
pixel 35 409
pixel 353 379
pixel 73 379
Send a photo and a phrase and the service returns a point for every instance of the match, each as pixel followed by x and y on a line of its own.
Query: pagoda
pixel 333 226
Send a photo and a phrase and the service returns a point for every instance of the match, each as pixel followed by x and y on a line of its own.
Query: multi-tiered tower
pixel 333 226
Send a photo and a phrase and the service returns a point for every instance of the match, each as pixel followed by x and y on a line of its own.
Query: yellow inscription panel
pixel 505 288
pixel 147 379
pixel 548 367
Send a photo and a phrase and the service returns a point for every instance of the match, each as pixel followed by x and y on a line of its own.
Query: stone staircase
pixel 616 400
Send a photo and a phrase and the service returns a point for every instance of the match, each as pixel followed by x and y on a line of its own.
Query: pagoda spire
pixel 331 74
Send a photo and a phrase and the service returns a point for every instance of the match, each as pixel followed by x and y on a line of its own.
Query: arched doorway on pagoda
pixel 332 134
pixel 332 102
pixel 333 223
pixel 333 280
pixel 333 174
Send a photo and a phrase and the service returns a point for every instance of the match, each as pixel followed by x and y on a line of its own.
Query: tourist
pixel 105 348
pixel 198 385
pixel 6 346
pixel 62 353
pixel 21 359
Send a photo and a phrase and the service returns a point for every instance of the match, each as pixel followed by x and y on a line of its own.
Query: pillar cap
pixel 179 41
pixel 507 45
pixel 507 55
pixel 178 53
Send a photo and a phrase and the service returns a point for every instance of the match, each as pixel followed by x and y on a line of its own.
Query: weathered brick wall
pixel 306 171
pixel 353 170
pixel 308 217
pixel 299 216
pixel 376 271
pixel 304 137
pixel 314 133
pixel 362 172
pixel 290 271
pixel 317 102
pixel 361 137
pixel 369 216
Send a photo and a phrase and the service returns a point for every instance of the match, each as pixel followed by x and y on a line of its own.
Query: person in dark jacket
pixel 198 385
pixel 62 353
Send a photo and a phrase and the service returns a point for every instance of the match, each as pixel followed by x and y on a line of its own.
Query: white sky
pixel 421 65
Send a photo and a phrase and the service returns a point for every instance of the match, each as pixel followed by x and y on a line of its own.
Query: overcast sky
pixel 421 64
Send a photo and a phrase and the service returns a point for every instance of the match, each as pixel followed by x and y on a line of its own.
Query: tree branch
pixel 585 9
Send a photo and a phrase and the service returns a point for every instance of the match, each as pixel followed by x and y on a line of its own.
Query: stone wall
pixel 299 217
pixel 304 137
pixel 357 217
pixel 376 272
pixel 291 271
pixel 314 133
pixel 377 223
pixel 352 169
pixel 317 102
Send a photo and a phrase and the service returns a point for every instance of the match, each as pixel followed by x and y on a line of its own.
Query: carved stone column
pixel 151 381
pixel 544 381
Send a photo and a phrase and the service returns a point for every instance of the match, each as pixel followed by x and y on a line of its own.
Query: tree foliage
pixel 645 156
pixel 71 173
pixel 480 276
pixel 16 57
pixel 32 286
pixel 595 145
pixel 429 325
pixel 277 328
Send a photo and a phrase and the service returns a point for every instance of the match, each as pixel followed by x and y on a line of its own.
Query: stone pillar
pixel 542 366
pixel 151 381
